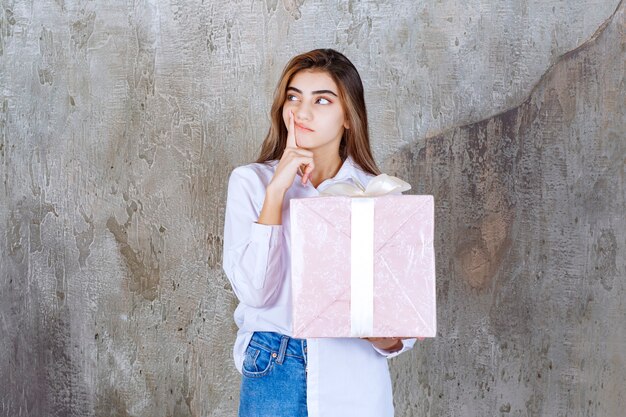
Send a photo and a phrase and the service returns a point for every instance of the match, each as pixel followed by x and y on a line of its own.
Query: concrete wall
pixel 120 122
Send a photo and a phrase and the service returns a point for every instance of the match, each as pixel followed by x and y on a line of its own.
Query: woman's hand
pixel 391 344
pixel 292 159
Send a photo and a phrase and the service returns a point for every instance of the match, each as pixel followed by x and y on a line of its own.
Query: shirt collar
pixel 347 173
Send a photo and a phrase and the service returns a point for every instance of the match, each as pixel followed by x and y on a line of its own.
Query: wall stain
pixel 215 243
pixel 82 29
pixel 111 402
pixel 14 237
pixel 271 6
pixel 34 185
pixel 3 125
pixel 293 8
pixel 359 30
pixel 38 214
pixel 144 268
pixel 488 162
pixel 210 37
pixel 143 55
pixel 526 242
pixel 483 249
pixel 604 254
pixel 45 69
pixel 84 239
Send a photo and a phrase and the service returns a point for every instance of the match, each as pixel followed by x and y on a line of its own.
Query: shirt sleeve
pixel 252 255
pixel 407 344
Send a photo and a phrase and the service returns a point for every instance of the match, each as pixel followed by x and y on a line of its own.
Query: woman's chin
pixel 303 144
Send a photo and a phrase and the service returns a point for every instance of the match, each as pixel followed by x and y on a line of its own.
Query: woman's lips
pixel 306 129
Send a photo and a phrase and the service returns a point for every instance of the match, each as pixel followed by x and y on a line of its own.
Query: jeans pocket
pixel 257 362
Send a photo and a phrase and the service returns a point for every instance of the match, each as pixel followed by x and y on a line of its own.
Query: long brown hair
pixel 355 141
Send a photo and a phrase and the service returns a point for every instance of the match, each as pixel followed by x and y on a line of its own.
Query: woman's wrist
pixel 274 192
pixel 271 213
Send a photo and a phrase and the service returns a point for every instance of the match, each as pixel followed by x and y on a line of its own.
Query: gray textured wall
pixel 120 122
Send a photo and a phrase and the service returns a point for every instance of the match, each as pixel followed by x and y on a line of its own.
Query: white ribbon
pixel 381 185
pixel 362 268
pixel 362 245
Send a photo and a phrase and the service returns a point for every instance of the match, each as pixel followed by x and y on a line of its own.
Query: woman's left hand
pixel 391 344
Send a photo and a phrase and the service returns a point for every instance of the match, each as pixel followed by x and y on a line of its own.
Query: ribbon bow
pixel 380 185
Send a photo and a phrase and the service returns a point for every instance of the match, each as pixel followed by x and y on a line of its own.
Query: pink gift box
pixel 400 259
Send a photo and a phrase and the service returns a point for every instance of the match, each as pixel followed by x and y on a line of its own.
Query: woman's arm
pixel 271 213
pixel 252 255
pixel 253 241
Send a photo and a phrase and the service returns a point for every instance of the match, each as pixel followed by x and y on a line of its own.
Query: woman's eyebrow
pixel 313 92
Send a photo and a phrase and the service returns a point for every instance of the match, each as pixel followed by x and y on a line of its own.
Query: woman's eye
pixel 322 100
pixel 291 97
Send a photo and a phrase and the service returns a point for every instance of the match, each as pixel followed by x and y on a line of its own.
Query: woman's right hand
pixel 293 158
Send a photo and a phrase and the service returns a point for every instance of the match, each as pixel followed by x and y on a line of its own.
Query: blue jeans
pixel 274 377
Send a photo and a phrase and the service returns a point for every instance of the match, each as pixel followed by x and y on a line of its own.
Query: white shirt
pixel 346 376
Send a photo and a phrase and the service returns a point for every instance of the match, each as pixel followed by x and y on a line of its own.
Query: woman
pixel 318 136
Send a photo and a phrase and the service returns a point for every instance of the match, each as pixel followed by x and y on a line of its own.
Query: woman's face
pixel 314 99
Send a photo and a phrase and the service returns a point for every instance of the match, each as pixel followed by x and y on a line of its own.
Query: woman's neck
pixel 326 166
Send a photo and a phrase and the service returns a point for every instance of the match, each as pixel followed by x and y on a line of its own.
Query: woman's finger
pixel 299 156
pixel 305 166
pixel 307 172
pixel 291 132
pixel 301 152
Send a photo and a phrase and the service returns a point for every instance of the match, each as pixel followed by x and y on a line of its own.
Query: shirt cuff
pixel 265 240
pixel 260 233
pixel 406 345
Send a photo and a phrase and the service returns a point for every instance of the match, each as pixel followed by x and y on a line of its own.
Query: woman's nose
pixel 303 112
